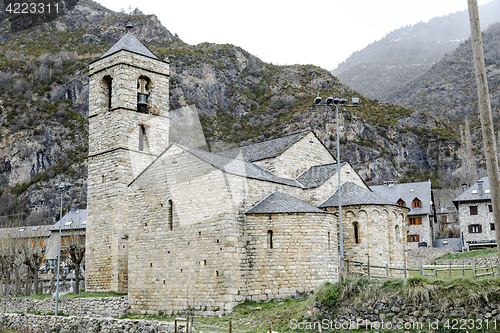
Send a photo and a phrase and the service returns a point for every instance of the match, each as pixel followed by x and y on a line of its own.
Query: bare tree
pixel 32 251
pixel 75 249
pixel 6 262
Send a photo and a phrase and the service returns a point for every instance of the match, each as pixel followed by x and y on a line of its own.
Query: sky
pixel 286 32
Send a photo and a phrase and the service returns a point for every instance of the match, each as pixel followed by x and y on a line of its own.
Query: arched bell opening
pixel 143 94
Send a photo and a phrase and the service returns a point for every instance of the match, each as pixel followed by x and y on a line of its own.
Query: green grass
pixel 470 254
pixel 39 296
pixel 81 295
pixel 94 294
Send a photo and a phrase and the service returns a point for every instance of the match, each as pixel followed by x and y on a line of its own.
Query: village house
pixel 475 215
pixel 178 227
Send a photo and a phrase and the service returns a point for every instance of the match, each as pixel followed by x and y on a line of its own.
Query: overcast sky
pixel 285 32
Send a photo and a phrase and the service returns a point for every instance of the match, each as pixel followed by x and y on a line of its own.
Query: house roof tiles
pixel 408 192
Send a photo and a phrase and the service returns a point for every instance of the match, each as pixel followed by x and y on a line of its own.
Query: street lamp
pixel 335 102
pixel 59 188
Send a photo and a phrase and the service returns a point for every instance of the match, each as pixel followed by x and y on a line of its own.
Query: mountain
pixel 449 88
pixel 406 53
pixel 239 98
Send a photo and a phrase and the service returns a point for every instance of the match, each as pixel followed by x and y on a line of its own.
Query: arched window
pixel 356 232
pixel 397 232
pixel 416 203
pixel 108 90
pixel 142 136
pixel 401 202
pixel 170 212
pixel 269 239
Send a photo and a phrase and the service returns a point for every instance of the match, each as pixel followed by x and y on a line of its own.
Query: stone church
pixel 178 227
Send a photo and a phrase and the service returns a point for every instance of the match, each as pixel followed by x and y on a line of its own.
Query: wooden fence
pixel 365 269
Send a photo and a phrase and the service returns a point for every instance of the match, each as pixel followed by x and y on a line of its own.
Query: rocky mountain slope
pixel 449 87
pixel 44 105
pixel 406 53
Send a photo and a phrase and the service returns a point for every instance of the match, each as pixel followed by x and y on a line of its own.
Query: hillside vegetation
pixel 240 99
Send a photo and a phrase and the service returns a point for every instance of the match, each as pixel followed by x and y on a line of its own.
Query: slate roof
pixel 408 192
pixel 473 194
pixel 37 231
pixel 75 219
pixel 263 150
pixel 130 43
pixel 279 202
pixel 316 175
pixel 239 167
pixel 353 194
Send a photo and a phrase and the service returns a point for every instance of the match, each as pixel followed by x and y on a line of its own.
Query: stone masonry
pixel 115 158
pixel 180 228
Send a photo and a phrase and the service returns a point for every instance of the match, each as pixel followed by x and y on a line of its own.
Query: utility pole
pixel 490 148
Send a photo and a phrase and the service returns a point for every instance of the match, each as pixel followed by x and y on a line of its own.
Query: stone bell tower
pixel 128 128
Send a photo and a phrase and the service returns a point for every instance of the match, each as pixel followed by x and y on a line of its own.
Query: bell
pixel 141 100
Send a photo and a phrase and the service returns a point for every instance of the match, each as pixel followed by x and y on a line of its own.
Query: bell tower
pixel 128 128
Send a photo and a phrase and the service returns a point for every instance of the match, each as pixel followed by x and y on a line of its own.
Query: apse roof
pixel 279 202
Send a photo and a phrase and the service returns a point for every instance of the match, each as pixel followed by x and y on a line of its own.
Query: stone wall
pixel 425 256
pixel 286 256
pixel 307 152
pixel 93 307
pixel 392 313
pixel 195 260
pixel 381 235
pixel 347 174
pixel 424 231
pixel 116 156
pixel 35 323
pixel 479 261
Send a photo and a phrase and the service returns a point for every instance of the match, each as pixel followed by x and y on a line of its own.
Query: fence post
pixel 421 269
pixel 368 267
pixel 474 270
pixel 404 270
pixel 387 270
pixel 175 326
pixel 449 270
pixel 435 271
pixel 230 326
pixel 187 324
pixel 463 268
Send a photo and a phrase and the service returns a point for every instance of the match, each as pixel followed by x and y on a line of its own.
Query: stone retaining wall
pixel 397 313
pixel 83 307
pixel 425 256
pixel 34 323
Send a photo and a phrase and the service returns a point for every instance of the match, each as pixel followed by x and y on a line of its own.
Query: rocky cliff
pixel 240 99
